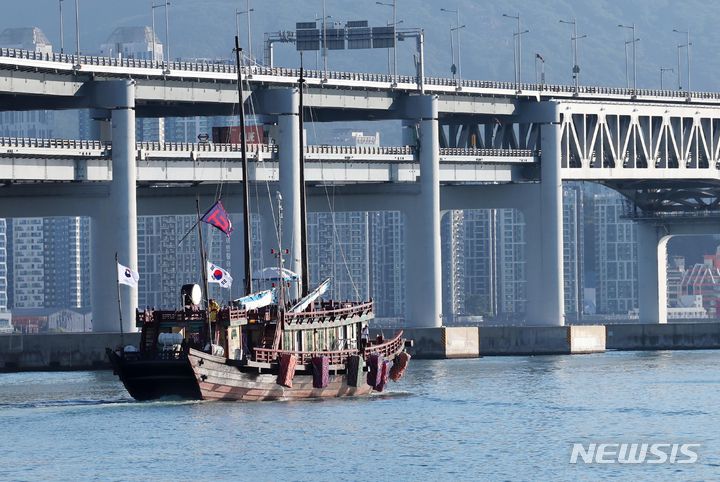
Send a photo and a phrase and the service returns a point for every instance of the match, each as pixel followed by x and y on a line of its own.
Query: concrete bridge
pixel 479 145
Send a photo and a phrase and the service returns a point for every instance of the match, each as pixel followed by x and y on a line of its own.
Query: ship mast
pixel 246 180
pixel 303 202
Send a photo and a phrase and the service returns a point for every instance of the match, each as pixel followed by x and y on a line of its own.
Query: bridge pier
pixel 424 267
pixel 114 225
pixel 652 273
pixel 544 232
pixel 289 163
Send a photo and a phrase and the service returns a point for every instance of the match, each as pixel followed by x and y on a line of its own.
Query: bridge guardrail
pixel 220 67
pixel 26 142
pixel 52 143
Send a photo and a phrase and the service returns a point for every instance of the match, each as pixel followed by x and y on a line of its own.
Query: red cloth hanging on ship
pixel 399 366
pixel 384 372
pixel 288 362
pixel 321 371
pixel 374 376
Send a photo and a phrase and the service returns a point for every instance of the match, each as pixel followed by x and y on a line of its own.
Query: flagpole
pixel 117 280
pixel 203 262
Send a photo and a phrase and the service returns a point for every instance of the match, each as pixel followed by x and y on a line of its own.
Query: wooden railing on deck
pixel 268 355
pixel 387 348
pixel 334 313
pixel 338 357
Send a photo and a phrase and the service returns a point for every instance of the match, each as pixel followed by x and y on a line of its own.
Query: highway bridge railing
pixel 228 68
pixel 155 146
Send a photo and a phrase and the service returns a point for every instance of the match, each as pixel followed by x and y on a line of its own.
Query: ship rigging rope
pixel 261 163
pixel 331 207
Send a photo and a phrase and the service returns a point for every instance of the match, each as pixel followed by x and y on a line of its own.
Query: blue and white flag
pixel 257 300
pixel 216 274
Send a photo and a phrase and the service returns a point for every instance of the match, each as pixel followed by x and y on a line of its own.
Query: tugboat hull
pixel 218 380
pixel 154 379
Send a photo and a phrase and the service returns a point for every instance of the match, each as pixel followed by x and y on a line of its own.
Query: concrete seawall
pixel 670 336
pixel 86 351
pixel 472 342
pixel 61 351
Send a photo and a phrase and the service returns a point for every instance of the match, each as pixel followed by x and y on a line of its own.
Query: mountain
pixel 204 28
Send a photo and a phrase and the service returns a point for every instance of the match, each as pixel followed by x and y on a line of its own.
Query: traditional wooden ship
pixel 263 346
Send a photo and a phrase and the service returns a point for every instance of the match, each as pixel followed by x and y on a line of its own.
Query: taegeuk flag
pixel 218 275
pixel 127 276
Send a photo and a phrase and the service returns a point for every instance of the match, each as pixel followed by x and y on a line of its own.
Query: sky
pixel 204 29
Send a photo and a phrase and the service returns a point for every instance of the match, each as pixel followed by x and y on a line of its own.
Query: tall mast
pixel 246 181
pixel 303 204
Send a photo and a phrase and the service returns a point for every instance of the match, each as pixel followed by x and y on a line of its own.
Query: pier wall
pixel 59 351
pixel 86 351
pixel 666 336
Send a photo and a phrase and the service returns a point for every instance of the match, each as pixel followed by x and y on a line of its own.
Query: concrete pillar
pixel 114 227
pixel 288 158
pixel 652 273
pixel 544 233
pixel 424 266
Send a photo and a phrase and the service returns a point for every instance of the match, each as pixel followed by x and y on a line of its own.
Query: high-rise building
pixel 3 266
pixel 512 282
pixel 28 263
pixel 615 256
pixel 338 248
pixel 50 262
pixel 387 263
pixel 573 250
pixel 480 259
pixel 452 234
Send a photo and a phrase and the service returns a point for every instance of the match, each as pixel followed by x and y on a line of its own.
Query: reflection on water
pixel 491 418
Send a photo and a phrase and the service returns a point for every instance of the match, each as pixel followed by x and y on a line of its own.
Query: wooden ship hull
pixel 153 378
pixel 220 380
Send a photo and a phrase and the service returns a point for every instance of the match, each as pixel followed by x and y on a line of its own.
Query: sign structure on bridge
pixel 358 33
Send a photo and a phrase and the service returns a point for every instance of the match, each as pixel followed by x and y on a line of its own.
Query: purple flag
pixel 218 217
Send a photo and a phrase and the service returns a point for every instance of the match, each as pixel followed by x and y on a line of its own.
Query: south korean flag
pixel 216 274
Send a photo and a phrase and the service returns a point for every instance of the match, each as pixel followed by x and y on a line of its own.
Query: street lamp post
pixel 394 21
pixel 662 73
pixel 541 80
pixel 687 44
pixel 77 30
pixel 518 57
pixel 573 45
pixel 456 29
pixel 62 35
pixel 633 42
pixel 167 30
pixel 237 27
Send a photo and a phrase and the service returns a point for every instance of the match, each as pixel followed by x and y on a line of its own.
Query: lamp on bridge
pixel 455 29
pixel 394 22
pixel 165 5
pixel 573 45
pixel 687 45
pixel 237 27
pixel 662 73
pixel 517 48
pixel 633 41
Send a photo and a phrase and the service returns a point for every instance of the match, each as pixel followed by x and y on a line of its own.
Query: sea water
pixel 505 418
